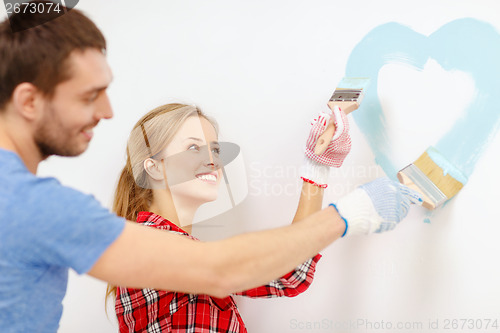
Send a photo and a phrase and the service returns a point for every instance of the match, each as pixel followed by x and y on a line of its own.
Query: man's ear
pixel 154 168
pixel 27 100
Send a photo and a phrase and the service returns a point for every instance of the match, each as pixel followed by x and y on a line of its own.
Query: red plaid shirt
pixel 149 310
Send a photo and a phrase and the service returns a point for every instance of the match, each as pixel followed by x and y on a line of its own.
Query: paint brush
pixel 433 176
pixel 346 98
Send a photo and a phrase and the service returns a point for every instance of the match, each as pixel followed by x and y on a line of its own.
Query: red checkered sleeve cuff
pixel 290 285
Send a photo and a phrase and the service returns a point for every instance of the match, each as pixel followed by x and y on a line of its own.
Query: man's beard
pixel 52 139
pixel 47 146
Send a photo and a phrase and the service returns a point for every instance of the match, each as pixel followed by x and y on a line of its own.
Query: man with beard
pixel 53 81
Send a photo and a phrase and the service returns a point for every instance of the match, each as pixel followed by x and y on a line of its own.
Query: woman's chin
pixel 209 199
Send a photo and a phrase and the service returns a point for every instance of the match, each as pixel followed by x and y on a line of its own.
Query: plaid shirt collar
pixel 158 222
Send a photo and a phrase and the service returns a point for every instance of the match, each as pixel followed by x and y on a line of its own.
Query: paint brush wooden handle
pixel 324 139
pixel 346 98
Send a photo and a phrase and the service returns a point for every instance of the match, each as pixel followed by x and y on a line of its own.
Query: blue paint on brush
pixel 354 83
pixel 468 45
pixel 446 166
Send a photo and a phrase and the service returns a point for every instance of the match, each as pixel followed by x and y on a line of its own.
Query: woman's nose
pixel 212 160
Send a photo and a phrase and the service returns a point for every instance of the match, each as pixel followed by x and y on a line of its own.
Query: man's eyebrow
pixel 98 88
pixel 94 90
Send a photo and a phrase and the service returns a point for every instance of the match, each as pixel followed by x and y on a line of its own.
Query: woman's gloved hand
pixel 316 167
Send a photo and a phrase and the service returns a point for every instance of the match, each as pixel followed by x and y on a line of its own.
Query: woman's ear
pixel 154 169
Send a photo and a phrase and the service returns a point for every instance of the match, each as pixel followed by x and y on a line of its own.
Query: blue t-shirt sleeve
pixel 60 226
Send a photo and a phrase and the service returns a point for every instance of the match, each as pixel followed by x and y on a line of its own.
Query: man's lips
pixel 89 133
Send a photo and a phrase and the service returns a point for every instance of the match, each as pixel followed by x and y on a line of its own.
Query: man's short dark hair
pixel 39 54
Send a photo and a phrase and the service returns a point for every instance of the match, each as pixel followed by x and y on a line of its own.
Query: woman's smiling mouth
pixel 207 177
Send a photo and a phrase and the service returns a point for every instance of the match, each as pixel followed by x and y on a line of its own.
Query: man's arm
pixel 144 257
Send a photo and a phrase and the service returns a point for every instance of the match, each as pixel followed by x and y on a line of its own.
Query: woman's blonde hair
pixel 150 135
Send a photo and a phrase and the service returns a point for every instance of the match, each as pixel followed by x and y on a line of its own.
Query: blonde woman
pixel 173 167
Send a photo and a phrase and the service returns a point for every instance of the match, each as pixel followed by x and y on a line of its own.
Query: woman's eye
pixel 194 147
pixel 216 150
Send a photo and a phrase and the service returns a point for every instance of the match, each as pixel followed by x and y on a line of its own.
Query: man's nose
pixel 103 108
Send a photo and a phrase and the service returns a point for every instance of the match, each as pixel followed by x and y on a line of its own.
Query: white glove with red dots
pixel 316 168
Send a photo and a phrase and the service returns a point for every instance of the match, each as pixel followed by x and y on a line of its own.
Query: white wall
pixel 263 69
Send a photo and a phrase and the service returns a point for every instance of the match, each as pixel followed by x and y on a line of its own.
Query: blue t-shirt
pixel 45 229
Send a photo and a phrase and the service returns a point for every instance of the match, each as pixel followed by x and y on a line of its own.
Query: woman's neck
pixel 176 211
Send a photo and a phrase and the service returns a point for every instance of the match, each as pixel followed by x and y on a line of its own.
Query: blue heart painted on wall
pixel 466 45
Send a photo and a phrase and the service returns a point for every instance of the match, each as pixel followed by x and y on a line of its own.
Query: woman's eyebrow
pixel 193 138
pixel 200 140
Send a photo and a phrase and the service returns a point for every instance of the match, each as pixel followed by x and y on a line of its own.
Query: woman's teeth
pixel 207 177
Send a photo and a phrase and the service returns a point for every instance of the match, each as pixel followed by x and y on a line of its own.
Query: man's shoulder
pixel 10 161
pixel 22 191
pixel 17 181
